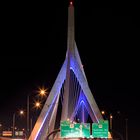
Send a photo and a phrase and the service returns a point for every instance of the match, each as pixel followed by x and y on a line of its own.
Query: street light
pixel 21 112
pixel 110 119
pixel 29 121
pixel 37 104
pixel 42 92
pixel 103 112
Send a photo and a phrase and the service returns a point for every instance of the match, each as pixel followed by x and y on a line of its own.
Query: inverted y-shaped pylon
pixel 71 87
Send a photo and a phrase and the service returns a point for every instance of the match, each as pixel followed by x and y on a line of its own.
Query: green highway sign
pixel 82 130
pixel 100 130
pixel 74 130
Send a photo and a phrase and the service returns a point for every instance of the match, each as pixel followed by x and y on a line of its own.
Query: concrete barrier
pixel 4 138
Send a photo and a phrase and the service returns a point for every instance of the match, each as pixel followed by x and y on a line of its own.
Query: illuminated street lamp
pixel 42 91
pixel 21 112
pixel 111 117
pixel 103 112
pixel 37 104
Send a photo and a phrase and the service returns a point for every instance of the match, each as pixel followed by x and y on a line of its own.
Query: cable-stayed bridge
pixel 70 97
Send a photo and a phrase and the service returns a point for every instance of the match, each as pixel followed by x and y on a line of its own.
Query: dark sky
pixel 33 45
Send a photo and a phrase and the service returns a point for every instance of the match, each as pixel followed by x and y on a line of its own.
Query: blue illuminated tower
pixel 70 88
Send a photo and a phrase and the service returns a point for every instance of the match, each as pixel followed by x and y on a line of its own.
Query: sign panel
pixel 6 133
pixel 100 130
pixel 74 130
pixel 19 133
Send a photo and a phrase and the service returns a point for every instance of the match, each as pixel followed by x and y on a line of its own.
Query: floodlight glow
pixel 71 3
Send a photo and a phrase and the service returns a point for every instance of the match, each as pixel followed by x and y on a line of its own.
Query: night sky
pixel 33 46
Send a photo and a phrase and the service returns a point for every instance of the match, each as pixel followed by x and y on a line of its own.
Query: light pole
pixel 126 123
pixel 42 93
pixel 110 117
pixel 13 129
pixel 110 121
pixel 14 119
pixel 28 110
pixel 111 125
pixel 0 129
pixel 31 124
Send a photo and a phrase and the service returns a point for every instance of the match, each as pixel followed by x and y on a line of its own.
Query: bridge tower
pixel 70 89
